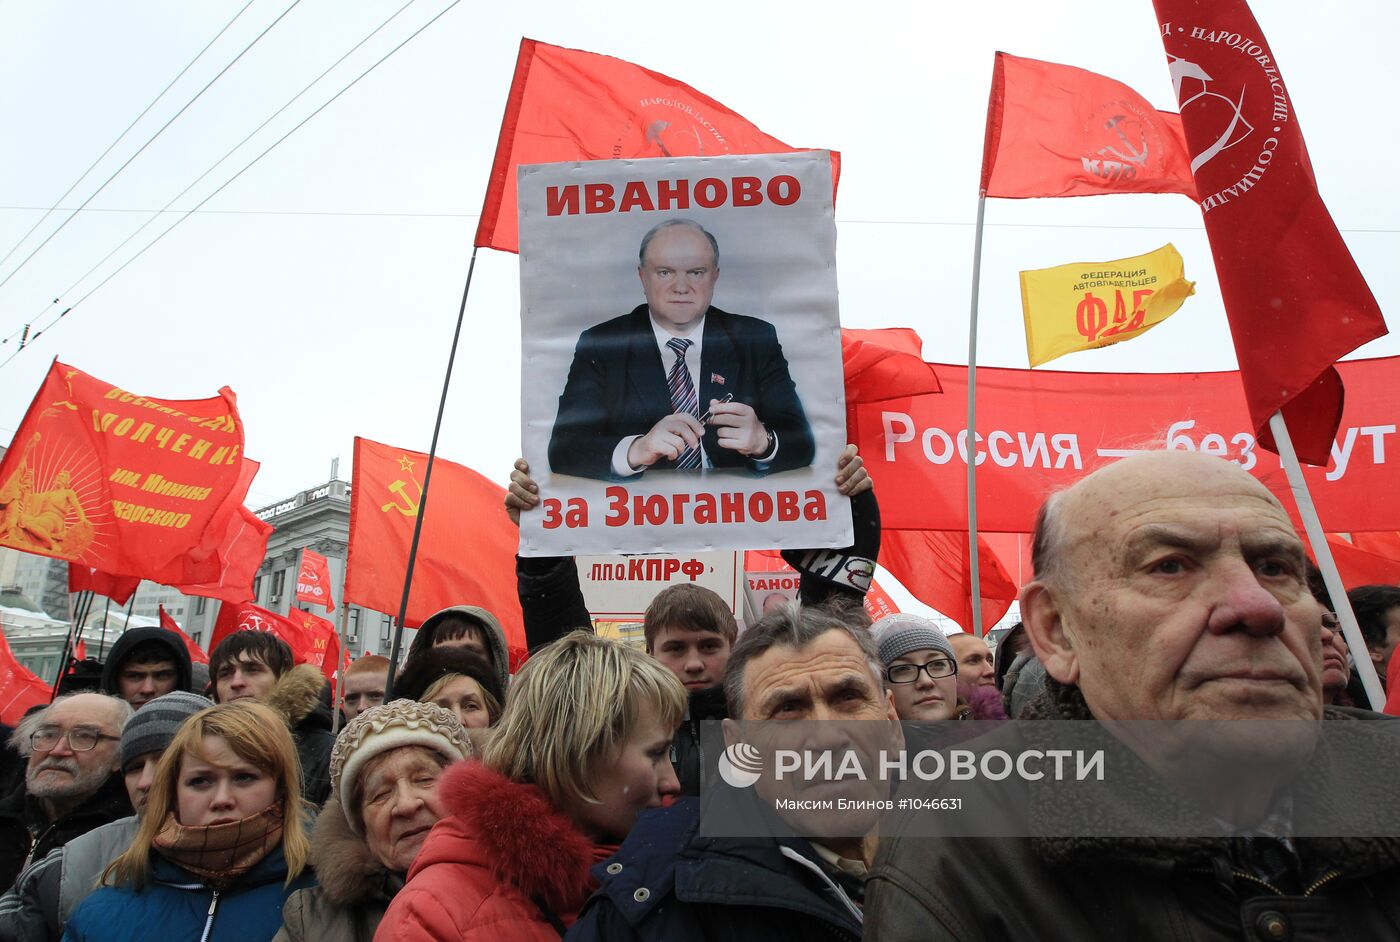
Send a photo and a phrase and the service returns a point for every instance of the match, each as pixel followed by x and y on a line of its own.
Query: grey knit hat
pixel 152 727
pixel 897 635
pixel 389 726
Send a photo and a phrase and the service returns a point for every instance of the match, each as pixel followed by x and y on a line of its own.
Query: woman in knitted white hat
pixel 384 776
pixel 920 669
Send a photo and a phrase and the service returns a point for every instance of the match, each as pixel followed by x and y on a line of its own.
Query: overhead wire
pixel 148 143
pixel 102 156
pixel 187 213
pixel 227 154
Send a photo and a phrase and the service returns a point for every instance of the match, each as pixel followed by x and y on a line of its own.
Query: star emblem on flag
pixel 405 464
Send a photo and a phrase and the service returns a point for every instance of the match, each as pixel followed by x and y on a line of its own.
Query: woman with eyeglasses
pixel 920 669
pixel 221 845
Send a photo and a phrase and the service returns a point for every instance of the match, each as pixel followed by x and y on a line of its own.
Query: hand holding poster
pixel 679 425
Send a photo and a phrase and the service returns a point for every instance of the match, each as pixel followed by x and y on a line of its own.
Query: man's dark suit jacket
pixel 617 388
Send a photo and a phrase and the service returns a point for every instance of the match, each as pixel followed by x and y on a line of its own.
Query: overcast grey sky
pixel 323 284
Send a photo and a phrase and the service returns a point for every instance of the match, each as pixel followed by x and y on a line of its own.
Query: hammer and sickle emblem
pixel 403 503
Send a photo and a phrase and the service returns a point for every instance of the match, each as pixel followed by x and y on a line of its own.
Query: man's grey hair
pixel 1048 544
pixel 669 223
pixel 19 739
pixel 796 625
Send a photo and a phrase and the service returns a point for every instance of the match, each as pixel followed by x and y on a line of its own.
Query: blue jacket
pixel 176 907
pixel 671 884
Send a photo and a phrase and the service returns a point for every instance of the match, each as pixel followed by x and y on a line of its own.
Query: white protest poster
pixel 619 588
pixel 681 386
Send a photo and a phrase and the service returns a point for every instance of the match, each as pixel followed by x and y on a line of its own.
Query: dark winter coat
pixel 175 905
pixel 1112 888
pixel 504 866
pixel 353 887
pixel 668 883
pixel 134 636
pixel 48 890
pixel 26 835
pixel 298 696
pixel 498 653
pixel 687 753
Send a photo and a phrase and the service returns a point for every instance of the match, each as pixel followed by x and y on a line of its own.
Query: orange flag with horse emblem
pixel 466 554
pixel 117 482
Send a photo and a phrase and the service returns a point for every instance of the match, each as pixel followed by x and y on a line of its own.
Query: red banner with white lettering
pixel 314 580
pixel 1295 298
pixel 197 655
pixel 114 481
pixel 1040 431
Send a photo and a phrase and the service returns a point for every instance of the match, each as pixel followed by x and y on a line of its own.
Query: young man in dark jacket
pixel 146 663
pixel 258 665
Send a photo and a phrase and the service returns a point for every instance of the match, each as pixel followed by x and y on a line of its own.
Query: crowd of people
pixel 461 801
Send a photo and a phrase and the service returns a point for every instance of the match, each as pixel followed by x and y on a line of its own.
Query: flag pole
pixel 1323 554
pixel 79 613
pixel 975 582
pixel 339 667
pixel 102 640
pixel 427 480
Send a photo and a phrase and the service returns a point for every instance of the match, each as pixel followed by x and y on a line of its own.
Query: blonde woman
pixel 583 746
pixel 222 844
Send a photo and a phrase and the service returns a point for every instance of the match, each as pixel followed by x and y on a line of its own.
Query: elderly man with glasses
pixel 72 778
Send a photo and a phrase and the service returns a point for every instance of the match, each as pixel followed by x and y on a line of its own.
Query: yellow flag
pixel 1093 304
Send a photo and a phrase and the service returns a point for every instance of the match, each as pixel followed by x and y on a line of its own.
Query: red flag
pixel 1055 130
pixel 384 497
pixel 242 616
pixel 885 364
pixel 86 579
pixel 1358 567
pixel 566 104
pixel 878 604
pixel 1295 299
pixel 240 555
pixel 197 655
pixel 20 689
pixel 325 642
pixel 1384 543
pixel 934 565
pixel 117 482
pixel 79 652
pixel 314 580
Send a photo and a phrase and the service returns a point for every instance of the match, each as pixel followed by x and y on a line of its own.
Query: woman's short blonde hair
pixel 258 735
pixel 573 706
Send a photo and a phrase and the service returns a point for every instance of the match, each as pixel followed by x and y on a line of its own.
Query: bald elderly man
pixel 1169 586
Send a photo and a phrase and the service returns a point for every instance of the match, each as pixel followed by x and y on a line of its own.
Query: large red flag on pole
pixel 1056 130
pixel 467 551
pixel 936 567
pixel 1295 298
pixel 242 616
pixel 567 104
pixel 86 579
pixel 118 482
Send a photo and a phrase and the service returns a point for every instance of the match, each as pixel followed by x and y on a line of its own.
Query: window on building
pixel 386 628
pixel 199 603
pixel 352 631
pixel 277 579
pixel 257 588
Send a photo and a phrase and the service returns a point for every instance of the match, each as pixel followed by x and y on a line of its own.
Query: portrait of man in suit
pixel 677 383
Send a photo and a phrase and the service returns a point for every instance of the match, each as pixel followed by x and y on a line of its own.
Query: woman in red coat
pixel 583 745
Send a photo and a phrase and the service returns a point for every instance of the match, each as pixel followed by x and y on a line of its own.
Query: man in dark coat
pixel 146 663
pixel 72 779
pixel 1169 586
pixel 640 383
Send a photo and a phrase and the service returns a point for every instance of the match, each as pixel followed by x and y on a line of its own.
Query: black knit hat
pixel 423 669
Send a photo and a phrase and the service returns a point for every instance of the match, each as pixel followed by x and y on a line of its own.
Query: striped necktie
pixel 683 399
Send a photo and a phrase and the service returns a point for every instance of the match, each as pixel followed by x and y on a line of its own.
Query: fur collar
pixel 1357 856
pixel 348 871
pixel 524 839
pixel 297 693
